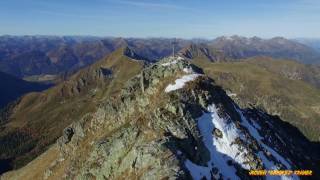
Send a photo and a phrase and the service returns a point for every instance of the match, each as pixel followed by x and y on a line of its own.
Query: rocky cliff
pixel 172 122
pixel 30 125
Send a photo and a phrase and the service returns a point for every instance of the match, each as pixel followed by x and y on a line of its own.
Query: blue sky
pixel 161 18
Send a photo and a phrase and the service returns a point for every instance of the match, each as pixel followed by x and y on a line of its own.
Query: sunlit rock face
pixel 173 122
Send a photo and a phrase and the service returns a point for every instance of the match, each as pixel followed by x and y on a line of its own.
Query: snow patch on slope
pixel 268 164
pixel 232 94
pixel 229 135
pixel 222 150
pixel 170 63
pixel 188 70
pixel 172 60
pixel 179 83
pixel 253 131
pixel 180 58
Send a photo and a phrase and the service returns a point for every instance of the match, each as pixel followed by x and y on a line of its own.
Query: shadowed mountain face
pixel 37 119
pixel 171 121
pixel 156 48
pixel 12 88
pixel 42 55
pixel 204 51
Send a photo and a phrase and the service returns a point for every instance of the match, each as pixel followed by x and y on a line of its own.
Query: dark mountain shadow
pixel 289 141
pixel 5 165
pixel 12 88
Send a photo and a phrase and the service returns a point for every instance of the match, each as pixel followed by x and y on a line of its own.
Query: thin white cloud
pixel 310 2
pixel 145 4
pixel 68 14
pixel 141 4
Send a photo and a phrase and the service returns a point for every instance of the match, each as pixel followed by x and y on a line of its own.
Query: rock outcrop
pixel 173 122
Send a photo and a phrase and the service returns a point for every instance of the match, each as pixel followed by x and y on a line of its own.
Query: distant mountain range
pixel 24 56
pixel 34 55
pixel 237 47
pixel 312 42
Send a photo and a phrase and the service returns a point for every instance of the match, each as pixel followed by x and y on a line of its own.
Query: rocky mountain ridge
pixel 172 122
pixel 35 121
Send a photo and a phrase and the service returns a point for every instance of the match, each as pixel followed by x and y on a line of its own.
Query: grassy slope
pixel 290 69
pixel 294 101
pixel 37 166
pixel 42 116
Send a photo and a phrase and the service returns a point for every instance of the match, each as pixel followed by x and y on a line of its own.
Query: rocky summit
pixel 171 121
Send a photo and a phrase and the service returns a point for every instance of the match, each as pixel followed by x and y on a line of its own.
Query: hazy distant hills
pixel 312 42
pixel 237 47
pixel 156 48
pixel 24 56
pixel 34 55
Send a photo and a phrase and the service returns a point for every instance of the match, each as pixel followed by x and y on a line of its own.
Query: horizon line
pixel 154 37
